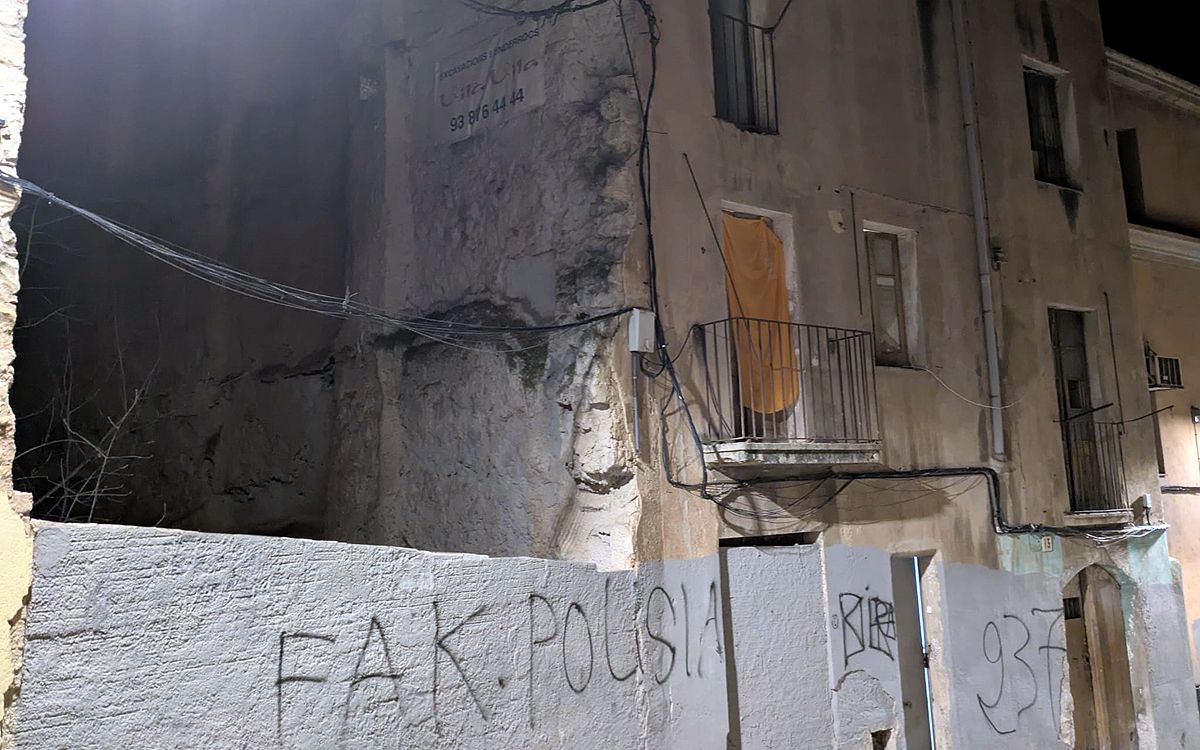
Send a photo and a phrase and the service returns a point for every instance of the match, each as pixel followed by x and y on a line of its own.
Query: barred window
pixel 887 296
pixel 1046 128
pixel 743 68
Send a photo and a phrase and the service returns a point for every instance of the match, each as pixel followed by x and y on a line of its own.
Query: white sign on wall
pixel 490 83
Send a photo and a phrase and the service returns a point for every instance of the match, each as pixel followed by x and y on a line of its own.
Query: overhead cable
pixel 527 14
pixel 459 334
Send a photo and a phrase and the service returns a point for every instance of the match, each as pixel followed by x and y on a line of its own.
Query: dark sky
pixel 1154 31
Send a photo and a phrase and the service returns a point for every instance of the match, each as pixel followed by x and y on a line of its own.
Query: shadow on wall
pixel 818 502
pixel 143 395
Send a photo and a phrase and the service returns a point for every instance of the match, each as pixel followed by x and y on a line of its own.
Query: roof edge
pixel 1144 79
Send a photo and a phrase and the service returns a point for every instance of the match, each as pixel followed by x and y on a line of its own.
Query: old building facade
pixel 881 468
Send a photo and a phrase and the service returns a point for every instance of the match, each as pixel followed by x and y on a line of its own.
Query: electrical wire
pixel 646 104
pixel 961 397
pixel 550 11
pixel 476 337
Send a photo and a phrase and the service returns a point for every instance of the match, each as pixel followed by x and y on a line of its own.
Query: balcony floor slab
pixel 756 459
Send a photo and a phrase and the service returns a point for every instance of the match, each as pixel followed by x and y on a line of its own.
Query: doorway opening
pixel 1098 661
pixel 912 641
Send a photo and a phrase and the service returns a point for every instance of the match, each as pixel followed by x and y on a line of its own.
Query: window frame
pixel 1063 173
pixel 902 357
pixel 745 88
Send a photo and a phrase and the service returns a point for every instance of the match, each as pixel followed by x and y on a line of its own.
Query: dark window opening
pixel 743 68
pixel 1131 175
pixel 1091 437
pixel 887 299
pixel 1045 128
pixel 1072 608
pixel 772 540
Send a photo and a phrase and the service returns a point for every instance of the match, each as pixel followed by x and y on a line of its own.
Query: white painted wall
pixel 778 626
pixel 154 639
pixel 163 639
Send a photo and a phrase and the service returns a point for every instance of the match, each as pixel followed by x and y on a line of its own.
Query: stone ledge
pixel 1099 518
pixel 748 458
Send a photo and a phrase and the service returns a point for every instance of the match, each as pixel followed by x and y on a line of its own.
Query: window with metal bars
pixel 1046 128
pixel 1072 608
pixel 743 68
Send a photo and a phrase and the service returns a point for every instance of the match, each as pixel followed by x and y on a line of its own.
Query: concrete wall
pixel 16 544
pixel 156 637
pixel 229 641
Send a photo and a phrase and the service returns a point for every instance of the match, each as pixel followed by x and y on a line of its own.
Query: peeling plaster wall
pixel 863 647
pixel 219 126
pixel 152 637
pixel 16 544
pixel 529 222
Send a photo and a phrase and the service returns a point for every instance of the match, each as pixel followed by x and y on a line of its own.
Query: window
pixel 887 297
pixel 1091 434
pixel 1131 175
pixel 1042 100
pixel 743 68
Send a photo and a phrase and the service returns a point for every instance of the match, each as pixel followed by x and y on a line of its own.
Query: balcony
pixel 1095 464
pixel 785 399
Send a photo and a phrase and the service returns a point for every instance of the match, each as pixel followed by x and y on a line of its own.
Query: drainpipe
pixel 962 54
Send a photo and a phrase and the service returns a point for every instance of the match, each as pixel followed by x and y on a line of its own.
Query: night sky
pixel 1153 31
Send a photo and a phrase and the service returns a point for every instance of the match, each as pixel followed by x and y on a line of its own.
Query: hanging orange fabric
pixel 764 343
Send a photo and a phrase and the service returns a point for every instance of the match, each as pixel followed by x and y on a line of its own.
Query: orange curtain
pixel 756 287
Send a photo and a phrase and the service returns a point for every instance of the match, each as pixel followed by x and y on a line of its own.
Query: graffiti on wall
pixel 867 623
pixel 669 632
pixel 1028 658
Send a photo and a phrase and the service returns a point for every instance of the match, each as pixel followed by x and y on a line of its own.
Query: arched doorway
pixel 1098 661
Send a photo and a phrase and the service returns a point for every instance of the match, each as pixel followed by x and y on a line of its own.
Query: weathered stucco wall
pixel 876 137
pixel 1064 247
pixel 151 638
pixel 16 543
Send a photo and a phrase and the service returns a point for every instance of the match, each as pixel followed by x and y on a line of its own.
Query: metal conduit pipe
pixel 962 54
pixel 992 479
pixel 990 475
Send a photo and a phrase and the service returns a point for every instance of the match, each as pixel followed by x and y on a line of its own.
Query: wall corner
pixel 16 538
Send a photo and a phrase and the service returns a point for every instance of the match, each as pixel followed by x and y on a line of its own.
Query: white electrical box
pixel 1047 543
pixel 641 331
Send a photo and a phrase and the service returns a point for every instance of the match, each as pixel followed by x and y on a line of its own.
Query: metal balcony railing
pixel 1095 461
pixel 774 381
pixel 744 74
